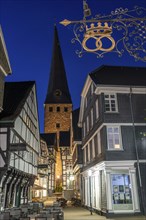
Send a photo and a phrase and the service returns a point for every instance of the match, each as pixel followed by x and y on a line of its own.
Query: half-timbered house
pixel 51 143
pixel 19 143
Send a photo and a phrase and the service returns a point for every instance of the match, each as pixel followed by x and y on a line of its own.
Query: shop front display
pixel 121 192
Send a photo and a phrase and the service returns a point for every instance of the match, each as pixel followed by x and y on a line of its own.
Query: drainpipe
pixel 136 148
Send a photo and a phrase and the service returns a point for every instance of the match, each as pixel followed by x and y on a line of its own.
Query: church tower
pixel 58 104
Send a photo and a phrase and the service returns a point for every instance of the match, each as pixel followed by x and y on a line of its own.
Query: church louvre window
pixel 58 109
pixel 57 125
pixel 65 109
pixel 50 109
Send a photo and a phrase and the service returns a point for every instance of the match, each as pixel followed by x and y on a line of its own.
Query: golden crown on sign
pixel 98 30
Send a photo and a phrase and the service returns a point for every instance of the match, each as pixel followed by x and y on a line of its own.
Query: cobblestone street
pixel 77 213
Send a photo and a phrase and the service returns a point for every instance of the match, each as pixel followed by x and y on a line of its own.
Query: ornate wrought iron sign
pixel 121 30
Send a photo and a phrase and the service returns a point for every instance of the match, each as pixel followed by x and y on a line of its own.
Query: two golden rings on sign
pixel 98 43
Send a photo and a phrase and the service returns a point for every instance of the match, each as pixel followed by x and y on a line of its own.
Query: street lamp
pixel 136 150
pixel 90 174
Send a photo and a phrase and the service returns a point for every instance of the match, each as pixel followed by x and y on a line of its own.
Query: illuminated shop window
pixel 121 192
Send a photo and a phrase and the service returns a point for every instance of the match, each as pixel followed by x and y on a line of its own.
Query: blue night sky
pixel 28 27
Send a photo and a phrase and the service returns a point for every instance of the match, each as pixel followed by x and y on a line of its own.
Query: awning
pixel 37 187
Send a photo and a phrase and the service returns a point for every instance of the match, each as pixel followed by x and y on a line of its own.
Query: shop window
pixel 110 101
pixel 113 138
pixel 121 192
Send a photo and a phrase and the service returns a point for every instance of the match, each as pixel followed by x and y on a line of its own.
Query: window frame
pixel 87 123
pixel 109 99
pixel 113 139
pixel 58 109
pixel 92 119
pixel 65 109
pixel 50 109
pixel 57 125
pixel 96 109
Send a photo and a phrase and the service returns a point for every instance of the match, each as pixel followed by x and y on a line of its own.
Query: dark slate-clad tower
pixel 58 109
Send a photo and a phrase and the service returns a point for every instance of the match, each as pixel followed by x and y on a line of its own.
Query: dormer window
pixel 110 101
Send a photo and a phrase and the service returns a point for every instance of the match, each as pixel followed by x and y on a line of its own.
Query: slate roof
pixel 50 139
pixel 119 75
pixel 58 79
pixel 64 140
pixel 15 95
pixel 77 135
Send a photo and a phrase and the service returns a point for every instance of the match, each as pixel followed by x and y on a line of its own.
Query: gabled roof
pixel 50 139
pixel 15 95
pixel 5 67
pixel 77 136
pixel 64 140
pixel 119 75
pixel 58 80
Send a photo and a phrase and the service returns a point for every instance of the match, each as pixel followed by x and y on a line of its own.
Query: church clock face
pixel 57 93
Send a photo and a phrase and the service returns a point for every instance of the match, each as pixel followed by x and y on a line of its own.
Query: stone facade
pixel 54 117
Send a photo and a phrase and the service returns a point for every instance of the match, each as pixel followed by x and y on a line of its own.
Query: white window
pixel 99 143
pixel 85 159
pixel 91 117
pixel 113 138
pixel 88 146
pixel 97 110
pixel 93 148
pixel 110 101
